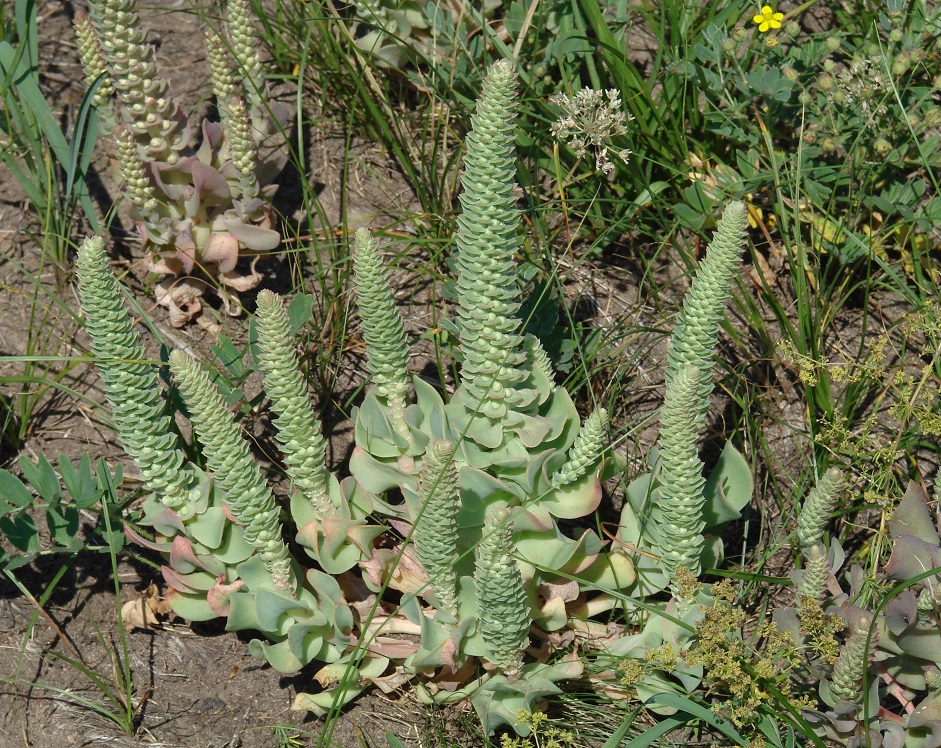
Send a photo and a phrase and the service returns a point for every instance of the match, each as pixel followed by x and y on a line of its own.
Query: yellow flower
pixel 768 19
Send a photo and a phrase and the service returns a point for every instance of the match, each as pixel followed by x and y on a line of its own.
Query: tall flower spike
pixel 817 508
pixel 383 329
pixel 850 667
pixel 131 385
pixel 153 117
pixel 224 82
pixel 538 358
pixel 587 449
pixel 488 293
pixel 436 532
pixel 695 332
pixel 245 50
pixel 679 499
pixel 89 50
pixel 302 444
pixel 504 609
pixel 137 184
pixel 242 147
pixel 816 571
pixel 230 461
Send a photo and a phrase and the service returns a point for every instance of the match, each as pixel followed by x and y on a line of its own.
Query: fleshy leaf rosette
pixel 461 551
pixel 672 511
pixel 199 208
pixel 518 455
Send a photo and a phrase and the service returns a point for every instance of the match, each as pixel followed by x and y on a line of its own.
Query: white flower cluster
pixel 589 120
pixel 866 86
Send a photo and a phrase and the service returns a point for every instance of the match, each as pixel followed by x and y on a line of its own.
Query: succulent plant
pixel 670 510
pixel 465 523
pixel 398 32
pixel 201 207
pixel 882 687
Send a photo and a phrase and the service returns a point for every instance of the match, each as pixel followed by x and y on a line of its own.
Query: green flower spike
pixel 587 449
pixel 436 531
pixel 538 357
pixel 224 82
pixel 230 461
pixel 89 50
pixel 245 51
pixel 137 184
pixel 152 116
pixel 504 609
pixel 813 583
pixel 488 292
pixel 383 329
pixel 131 385
pixel 242 147
pixel 847 680
pixel 679 499
pixel 302 444
pixel 697 326
pixel 817 508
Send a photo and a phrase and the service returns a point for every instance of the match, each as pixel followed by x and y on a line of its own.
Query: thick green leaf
pixel 648 737
pixel 299 311
pixel 697 711
pixel 728 488
pixel 618 735
pixel 230 357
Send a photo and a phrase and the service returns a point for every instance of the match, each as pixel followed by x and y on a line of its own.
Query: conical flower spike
pixel 224 82
pixel 589 444
pixel 299 434
pixel 152 115
pixel 813 584
pixel 131 384
pixel 383 329
pixel 850 667
pixel 230 461
pixel 695 332
pixel 504 609
pixel 817 508
pixel 89 50
pixel 679 498
pixel 436 532
pixel 238 130
pixel 488 291
pixel 137 185
pixel 245 51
